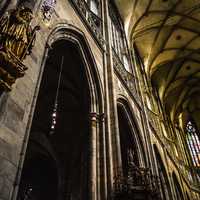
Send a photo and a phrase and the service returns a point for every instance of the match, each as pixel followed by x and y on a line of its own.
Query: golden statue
pixel 16 41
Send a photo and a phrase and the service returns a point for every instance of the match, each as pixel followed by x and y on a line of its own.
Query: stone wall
pixel 17 106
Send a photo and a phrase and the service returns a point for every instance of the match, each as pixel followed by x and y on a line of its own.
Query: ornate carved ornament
pixel 16 41
pixel 48 7
pixel 139 180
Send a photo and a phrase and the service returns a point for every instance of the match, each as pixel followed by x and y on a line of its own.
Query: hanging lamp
pixel 55 106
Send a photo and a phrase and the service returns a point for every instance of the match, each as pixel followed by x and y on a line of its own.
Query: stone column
pixel 111 121
pixel 102 159
pixel 92 179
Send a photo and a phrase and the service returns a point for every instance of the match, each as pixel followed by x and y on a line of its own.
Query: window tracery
pixel 118 39
pixel 193 142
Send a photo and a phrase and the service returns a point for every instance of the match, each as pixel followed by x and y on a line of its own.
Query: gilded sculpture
pixel 16 41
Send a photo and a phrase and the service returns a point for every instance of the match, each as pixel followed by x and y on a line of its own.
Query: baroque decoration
pixel 48 7
pixel 16 41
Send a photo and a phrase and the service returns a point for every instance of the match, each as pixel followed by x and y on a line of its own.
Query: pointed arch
pixel 68 32
pixel 75 139
pixel 130 136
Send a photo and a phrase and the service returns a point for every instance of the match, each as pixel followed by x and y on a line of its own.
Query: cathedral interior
pixel 99 100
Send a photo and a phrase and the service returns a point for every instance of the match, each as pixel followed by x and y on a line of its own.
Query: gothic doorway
pixel 40 177
pixel 62 117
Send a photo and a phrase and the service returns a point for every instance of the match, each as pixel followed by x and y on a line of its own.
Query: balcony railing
pixel 127 78
pixel 92 20
pixel 139 183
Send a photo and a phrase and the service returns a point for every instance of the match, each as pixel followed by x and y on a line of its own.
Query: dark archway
pixel 134 179
pixel 178 190
pixel 40 178
pixel 164 182
pixel 70 140
pixel 132 152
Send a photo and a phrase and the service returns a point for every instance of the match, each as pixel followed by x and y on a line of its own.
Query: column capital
pixel 96 116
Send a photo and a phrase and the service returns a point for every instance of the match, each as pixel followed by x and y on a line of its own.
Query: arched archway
pixel 132 151
pixel 164 181
pixel 40 164
pixel 134 179
pixel 69 78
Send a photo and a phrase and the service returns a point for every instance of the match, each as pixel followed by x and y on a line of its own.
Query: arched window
pixel 94 6
pixel 118 41
pixel 126 63
pixel 193 143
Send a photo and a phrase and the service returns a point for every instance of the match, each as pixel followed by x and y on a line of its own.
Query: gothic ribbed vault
pixel 167 36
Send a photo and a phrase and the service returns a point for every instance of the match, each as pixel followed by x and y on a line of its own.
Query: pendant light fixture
pixel 55 107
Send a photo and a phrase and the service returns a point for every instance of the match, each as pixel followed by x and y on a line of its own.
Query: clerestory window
pixel 119 43
pixel 94 6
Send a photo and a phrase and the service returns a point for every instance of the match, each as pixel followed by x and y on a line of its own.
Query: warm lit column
pixel 112 132
pixel 92 180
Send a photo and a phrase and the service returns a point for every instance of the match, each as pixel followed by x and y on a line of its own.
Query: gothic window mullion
pixel 194 150
pixel 186 147
pixel 197 142
pixel 112 35
pixel 119 46
pixel 122 45
pixel 197 147
pixel 115 38
pixel 191 149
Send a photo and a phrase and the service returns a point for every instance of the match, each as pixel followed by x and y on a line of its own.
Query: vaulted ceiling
pixel 167 36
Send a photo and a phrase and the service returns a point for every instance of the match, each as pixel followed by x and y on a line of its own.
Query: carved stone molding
pixel 139 181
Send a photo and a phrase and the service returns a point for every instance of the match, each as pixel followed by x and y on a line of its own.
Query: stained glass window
pixel 193 143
